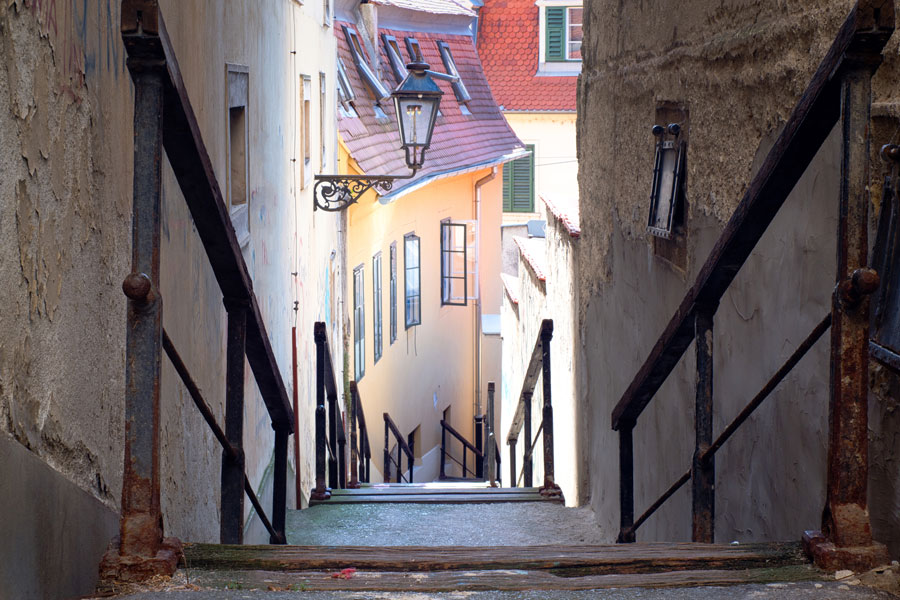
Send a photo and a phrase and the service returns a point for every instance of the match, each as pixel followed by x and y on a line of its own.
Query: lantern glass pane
pixel 414 115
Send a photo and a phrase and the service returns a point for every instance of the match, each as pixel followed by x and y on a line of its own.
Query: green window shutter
pixel 507 187
pixel 518 184
pixel 555 19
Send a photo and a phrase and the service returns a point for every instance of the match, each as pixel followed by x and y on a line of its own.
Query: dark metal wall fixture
pixel 839 92
pixel 668 179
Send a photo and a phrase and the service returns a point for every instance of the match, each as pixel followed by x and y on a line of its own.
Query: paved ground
pixel 504 524
pixel 793 591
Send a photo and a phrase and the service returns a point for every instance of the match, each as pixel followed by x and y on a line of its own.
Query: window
pixel 359 324
pixel 345 93
pixel 392 48
pixel 326 12
pixel 377 301
pixel 413 283
pixel 237 189
pixel 518 183
pixel 393 268
pixel 562 33
pixel 323 159
pixel 305 137
pixel 454 290
pixel 378 89
pixel 415 51
pixel 459 88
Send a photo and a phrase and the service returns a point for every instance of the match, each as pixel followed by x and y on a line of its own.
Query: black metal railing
pixel 538 367
pixel 840 90
pixel 477 470
pixel 360 450
pixel 164 119
pixel 331 440
pixel 390 428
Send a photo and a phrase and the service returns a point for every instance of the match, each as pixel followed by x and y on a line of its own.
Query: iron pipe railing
pixel 330 435
pixel 164 120
pixel 390 428
pixel 467 446
pixel 538 367
pixel 840 91
pixel 360 451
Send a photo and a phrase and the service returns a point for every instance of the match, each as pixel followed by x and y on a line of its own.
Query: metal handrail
pixel 538 367
pixel 467 446
pixel 331 439
pixel 360 451
pixel 391 428
pixel 840 90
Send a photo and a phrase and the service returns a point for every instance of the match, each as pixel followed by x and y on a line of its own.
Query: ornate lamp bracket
pixel 336 192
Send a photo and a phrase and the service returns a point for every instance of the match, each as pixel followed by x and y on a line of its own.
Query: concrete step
pixel 434 493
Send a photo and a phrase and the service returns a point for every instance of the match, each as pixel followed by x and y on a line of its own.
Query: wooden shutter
pixel 555 21
pixel 518 184
pixel 507 187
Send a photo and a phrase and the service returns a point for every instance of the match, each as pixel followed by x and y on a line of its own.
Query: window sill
pixel 559 69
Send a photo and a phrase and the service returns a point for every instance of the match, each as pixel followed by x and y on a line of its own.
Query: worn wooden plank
pixel 436 499
pixel 606 559
pixel 862 37
pixel 474 581
pixel 413 491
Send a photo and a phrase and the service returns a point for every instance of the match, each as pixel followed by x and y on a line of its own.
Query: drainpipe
pixel 478 185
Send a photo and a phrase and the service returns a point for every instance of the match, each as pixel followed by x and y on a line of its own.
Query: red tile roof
pixel 459 142
pixel 508 44
pixel 511 285
pixel 534 252
pixel 437 7
pixel 567 212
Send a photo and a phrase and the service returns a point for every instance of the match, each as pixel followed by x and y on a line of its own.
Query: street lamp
pixel 416 102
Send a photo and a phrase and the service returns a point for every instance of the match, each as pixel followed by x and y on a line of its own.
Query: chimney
pixel 368 12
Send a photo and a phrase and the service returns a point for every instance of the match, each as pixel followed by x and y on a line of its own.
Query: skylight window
pixel 378 89
pixel 459 88
pixel 393 52
pixel 345 93
pixel 415 51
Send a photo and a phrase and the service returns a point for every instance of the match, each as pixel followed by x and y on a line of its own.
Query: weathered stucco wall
pixel 738 67
pixel 65 223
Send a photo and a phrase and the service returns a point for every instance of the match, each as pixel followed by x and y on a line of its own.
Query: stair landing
pixel 438 492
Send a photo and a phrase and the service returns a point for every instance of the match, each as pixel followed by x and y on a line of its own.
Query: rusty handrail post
pixel 142 551
pixel 491 441
pixel 279 492
pixel 626 485
pixel 527 458
pixel 354 439
pixel 513 480
pixel 846 538
pixel 321 492
pixel 442 473
pixel 333 422
pixel 549 488
pixel 703 473
pixel 231 523
pixel 387 453
pixel 479 445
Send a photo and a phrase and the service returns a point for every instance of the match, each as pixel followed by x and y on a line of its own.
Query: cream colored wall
pixel 555 161
pixel 430 366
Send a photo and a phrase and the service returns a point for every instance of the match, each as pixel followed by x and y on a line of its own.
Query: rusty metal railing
pixel 390 428
pixel 840 90
pixel 360 450
pixel 467 446
pixel 538 367
pixel 164 119
pixel 330 436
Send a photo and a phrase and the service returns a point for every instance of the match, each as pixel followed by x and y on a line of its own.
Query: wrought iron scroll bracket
pixel 334 193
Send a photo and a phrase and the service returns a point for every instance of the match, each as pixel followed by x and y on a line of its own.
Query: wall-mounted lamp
pixel 668 176
pixel 416 101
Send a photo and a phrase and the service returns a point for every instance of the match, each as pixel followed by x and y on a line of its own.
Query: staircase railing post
pixel 231 523
pixel 626 484
pixel 321 492
pixel 333 421
pixel 443 472
pixel 354 438
pixel 387 451
pixel 342 451
pixel 528 456
pixel 141 534
pixel 513 479
pixel 549 487
pixel 846 539
pixel 491 441
pixel 279 493
pixel 479 445
pixel 703 474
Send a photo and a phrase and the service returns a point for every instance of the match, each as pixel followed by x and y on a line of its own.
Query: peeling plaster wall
pixel 551 299
pixel 65 224
pixel 739 67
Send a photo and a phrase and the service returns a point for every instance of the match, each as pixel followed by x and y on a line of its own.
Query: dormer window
pixel 561 35
pixel 346 95
pixel 459 88
pixel 415 51
pixel 392 48
pixel 378 89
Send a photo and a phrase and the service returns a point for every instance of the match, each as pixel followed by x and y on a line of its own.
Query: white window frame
pixel 567 68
